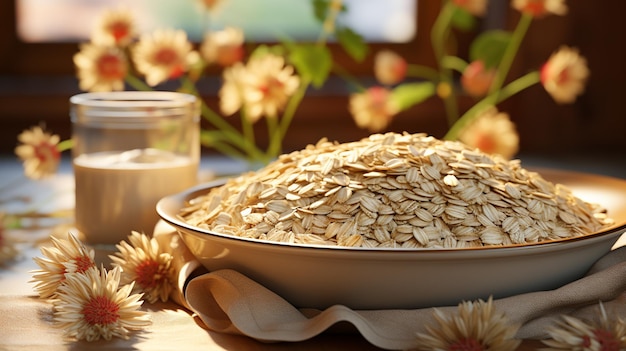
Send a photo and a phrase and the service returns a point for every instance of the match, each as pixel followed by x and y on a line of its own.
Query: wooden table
pixel 26 320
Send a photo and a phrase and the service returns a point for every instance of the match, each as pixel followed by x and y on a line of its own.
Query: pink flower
pixel 389 67
pixel 540 8
pixel 476 80
pixel 373 109
pixel 564 75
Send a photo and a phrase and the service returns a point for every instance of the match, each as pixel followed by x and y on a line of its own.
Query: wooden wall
pixel 36 81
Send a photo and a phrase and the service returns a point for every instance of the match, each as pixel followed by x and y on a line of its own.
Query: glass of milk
pixel 131 148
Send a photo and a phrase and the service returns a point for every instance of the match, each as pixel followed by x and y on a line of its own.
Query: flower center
pixel 149 274
pixel 83 263
pixel 166 57
pixel 100 310
pixel 486 143
pixel 46 151
pixel 119 30
pixel 110 67
pixel 466 345
pixel 607 340
pixel 536 7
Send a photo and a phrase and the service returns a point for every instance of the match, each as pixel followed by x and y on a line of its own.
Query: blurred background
pixel 39 37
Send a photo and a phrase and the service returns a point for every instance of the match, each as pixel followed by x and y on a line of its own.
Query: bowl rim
pixel 185 195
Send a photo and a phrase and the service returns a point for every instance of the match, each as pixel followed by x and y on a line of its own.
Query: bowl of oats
pixel 400 221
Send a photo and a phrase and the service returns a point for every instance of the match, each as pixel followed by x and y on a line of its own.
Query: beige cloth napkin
pixel 229 302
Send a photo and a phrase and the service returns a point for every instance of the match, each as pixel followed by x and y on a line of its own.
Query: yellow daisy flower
pixel 90 306
pixel 262 87
pixel 540 8
pixel 492 132
pixel 475 326
pixel 564 75
pixel 373 109
pixel 223 47
pixel 605 334
pixel 101 67
pixel 64 256
pixel 39 153
pixel 164 54
pixel 114 27
pixel 145 263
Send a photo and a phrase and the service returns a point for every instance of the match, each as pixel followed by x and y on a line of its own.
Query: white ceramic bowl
pixel 365 278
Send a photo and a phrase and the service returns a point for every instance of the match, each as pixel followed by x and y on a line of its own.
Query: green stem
pixel 511 51
pixel 137 83
pixel 511 89
pixel 454 63
pixel 419 71
pixel 65 145
pixel 273 132
pixel 439 38
pixel 288 115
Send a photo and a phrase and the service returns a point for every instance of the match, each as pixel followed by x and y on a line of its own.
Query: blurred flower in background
pixel 266 83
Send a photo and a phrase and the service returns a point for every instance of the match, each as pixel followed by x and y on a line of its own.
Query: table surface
pixel 26 320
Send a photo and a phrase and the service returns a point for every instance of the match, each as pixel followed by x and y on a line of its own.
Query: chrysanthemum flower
pixel 90 306
pixel 492 132
pixel 114 27
pixel 262 88
pixel 476 79
pixel 373 109
pixel 8 251
pixel 540 8
pixel 389 67
pixel 564 75
pixel 164 54
pixel 145 263
pixel 224 47
pixel 475 7
pixel 100 67
pixel 476 326
pixel 64 256
pixel 605 334
pixel 39 152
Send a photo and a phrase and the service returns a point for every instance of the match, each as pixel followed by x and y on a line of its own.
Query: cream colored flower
pixel 114 27
pixel 145 263
pixel 39 153
pixel 475 7
pixel 224 47
pixel 475 326
pixel 604 334
pixel 164 54
pixel 564 75
pixel 373 109
pixel 389 67
pixel 90 306
pixel 540 8
pixel 492 132
pixel 101 67
pixel 476 79
pixel 8 251
pixel 64 256
pixel 262 88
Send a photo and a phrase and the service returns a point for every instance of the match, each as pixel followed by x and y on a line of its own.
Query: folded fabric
pixel 229 302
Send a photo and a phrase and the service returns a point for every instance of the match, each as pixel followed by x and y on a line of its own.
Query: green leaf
pixel 320 8
pixel 312 62
pixel 353 43
pixel 490 47
pixel 409 94
pixel 462 19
